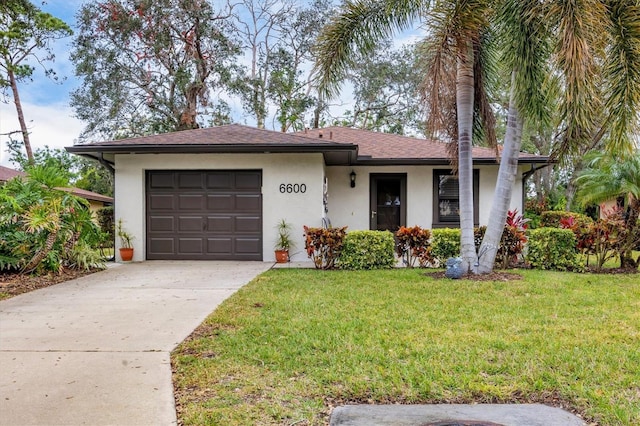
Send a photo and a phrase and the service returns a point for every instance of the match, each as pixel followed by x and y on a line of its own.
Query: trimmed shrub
pixel 412 244
pixel 553 219
pixel 445 243
pixel 552 248
pixel 324 245
pixel 367 250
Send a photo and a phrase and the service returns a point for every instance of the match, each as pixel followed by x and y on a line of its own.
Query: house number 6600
pixel 293 188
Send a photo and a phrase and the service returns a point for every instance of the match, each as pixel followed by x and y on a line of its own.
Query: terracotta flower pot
pixel 126 254
pixel 282 256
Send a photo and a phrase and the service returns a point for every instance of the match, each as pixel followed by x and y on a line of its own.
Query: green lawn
pixel 294 342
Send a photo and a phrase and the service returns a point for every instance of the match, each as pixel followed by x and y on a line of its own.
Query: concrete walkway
pixel 96 350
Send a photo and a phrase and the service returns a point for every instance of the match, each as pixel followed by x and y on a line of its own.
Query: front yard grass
pixel 293 343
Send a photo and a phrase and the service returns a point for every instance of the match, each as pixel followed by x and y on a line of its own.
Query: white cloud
pixel 51 125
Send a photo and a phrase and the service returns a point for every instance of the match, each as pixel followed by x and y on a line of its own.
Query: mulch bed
pixel 12 284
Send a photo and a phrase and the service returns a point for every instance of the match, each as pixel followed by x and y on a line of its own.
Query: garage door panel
pixel 249 181
pixel 222 224
pixel 220 202
pixel 162 224
pixel 248 224
pixel 163 180
pixel 191 202
pixel 248 245
pixel 163 245
pixel 190 223
pixel 219 180
pixel 248 203
pixel 220 245
pixel 162 201
pixel 188 180
pixel 214 215
pixel 190 246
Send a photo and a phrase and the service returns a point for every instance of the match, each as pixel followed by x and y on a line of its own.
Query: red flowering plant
pixel 513 239
pixel 413 244
pixel 324 245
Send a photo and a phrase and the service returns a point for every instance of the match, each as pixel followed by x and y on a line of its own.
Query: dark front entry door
pixel 204 214
pixel 388 201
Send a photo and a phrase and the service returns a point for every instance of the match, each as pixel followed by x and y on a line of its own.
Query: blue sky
pixel 46 103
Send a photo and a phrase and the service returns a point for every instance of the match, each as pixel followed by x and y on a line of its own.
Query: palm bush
pixel 40 226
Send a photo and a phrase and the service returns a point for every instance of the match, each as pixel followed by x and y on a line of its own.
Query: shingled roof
pixel 378 147
pixel 232 138
pixel 6 173
pixel 339 145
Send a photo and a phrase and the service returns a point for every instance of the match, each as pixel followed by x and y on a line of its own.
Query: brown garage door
pixel 204 215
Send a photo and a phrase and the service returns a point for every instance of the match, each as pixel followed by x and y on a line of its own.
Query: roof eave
pixel 439 161
pixel 334 154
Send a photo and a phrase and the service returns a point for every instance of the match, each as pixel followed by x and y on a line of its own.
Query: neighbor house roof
pixel 339 145
pixel 6 173
pixel 88 195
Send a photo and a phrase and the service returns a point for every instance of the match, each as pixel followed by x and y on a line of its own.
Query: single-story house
pixel 218 193
pixel 96 201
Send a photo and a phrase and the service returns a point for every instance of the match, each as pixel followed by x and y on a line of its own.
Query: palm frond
pixel 357 27
pixel 578 26
pixel 622 74
pixel 484 131
pixel 525 53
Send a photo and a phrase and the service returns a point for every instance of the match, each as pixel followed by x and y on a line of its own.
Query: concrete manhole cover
pixel 453 415
pixel 461 423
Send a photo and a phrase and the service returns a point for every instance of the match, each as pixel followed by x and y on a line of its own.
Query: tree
pixel 80 172
pixel 538 40
pixel 150 66
pixel 43 228
pixel 260 27
pixel 386 85
pixel 458 26
pixel 26 34
pixel 277 38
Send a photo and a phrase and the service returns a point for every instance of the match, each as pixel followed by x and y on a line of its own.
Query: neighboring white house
pixel 218 193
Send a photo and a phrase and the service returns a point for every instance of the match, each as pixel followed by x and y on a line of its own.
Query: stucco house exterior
pixel 218 193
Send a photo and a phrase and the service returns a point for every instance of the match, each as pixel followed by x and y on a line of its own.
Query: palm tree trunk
pixel 464 107
pixel 504 187
pixel 23 124
pixel 42 253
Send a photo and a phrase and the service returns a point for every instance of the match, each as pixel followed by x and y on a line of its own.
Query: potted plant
pixel 283 242
pixel 126 245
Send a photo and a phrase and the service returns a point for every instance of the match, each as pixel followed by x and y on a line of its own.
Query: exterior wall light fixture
pixel 352 178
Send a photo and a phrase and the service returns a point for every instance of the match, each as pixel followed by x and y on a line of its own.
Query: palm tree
pixel 457 29
pixel 541 42
pixel 609 177
pixel 595 49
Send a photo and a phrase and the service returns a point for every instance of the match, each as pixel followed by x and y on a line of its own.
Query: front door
pixel 388 201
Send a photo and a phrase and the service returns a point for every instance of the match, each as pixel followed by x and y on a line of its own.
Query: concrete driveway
pixel 96 350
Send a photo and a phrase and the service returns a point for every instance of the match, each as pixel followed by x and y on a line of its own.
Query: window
pixel 446 199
